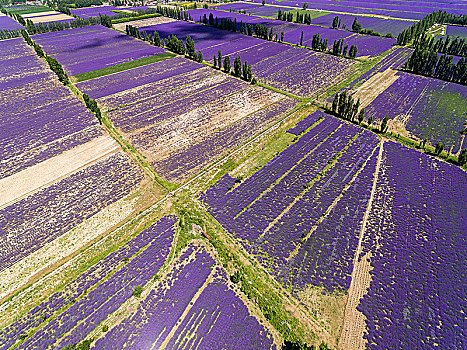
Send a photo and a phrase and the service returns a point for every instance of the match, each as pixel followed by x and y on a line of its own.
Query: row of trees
pixel 93 107
pixel 172 43
pixel 242 71
pixel 448 45
pixel 430 63
pixel 288 16
pixel 318 43
pixel 174 12
pixel 339 49
pixel 53 63
pixel 8 34
pixel 346 108
pixel 419 28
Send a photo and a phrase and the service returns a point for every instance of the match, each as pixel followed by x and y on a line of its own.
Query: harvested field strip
pixel 32 179
pixel 123 66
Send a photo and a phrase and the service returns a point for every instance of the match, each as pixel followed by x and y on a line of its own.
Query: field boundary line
pixel 351 290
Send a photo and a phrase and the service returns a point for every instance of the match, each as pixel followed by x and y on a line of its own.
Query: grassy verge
pixel 129 19
pixel 36 9
pixel 123 66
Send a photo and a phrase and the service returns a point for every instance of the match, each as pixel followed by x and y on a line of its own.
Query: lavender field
pixel 215 111
pixel 416 250
pixel 427 108
pixel 208 177
pixel 273 213
pixel 86 49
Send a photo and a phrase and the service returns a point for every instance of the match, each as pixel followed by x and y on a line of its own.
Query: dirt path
pixel 32 179
pixel 354 325
pixel 374 86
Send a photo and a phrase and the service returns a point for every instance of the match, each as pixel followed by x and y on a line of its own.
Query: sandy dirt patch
pixel 51 18
pixel 354 325
pixel 40 14
pixel 32 179
pixel 144 22
pixel 374 86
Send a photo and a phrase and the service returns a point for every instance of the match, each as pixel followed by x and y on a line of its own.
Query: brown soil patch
pixel 374 86
pixel 51 18
pixel 144 22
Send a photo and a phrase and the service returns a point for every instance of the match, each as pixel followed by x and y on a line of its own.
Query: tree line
pixel 171 43
pixel 288 16
pixel 431 64
pixel 419 28
pixel 448 45
pixel 242 71
pixel 338 49
pixel 175 13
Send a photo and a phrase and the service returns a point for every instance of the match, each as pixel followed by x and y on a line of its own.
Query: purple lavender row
pixel 261 210
pixel 86 52
pixel 236 6
pixel 219 319
pixel 155 88
pixel 393 61
pixel 19 100
pixel 418 257
pixel 307 123
pixel 357 8
pixel 162 308
pixel 24 160
pixel 181 164
pixel 226 320
pixel 8 23
pixel 288 232
pixel 32 222
pixel 456 31
pixel 434 108
pixel 339 231
pixel 230 204
pixel 44 125
pixel 251 224
pixel 82 283
pixel 129 79
pixel 74 324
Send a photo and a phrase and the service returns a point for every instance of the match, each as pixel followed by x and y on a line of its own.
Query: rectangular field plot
pixel 35 220
pixel 8 23
pixel 182 115
pixel 192 308
pixel 298 71
pixel 411 271
pixel 40 117
pixel 97 293
pixel 286 213
pixel 426 108
pixel 86 49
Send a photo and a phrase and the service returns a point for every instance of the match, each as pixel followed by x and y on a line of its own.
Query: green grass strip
pixel 122 66
pixel 129 19
pixel 32 9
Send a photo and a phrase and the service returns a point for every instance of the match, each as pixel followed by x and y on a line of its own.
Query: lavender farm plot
pixel 96 295
pixel 40 117
pixel 182 115
pixel 8 23
pixel 415 244
pixel 30 223
pixel 274 212
pixel 95 11
pixel 90 48
pixel 427 108
pixel 192 308
pixel 456 31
